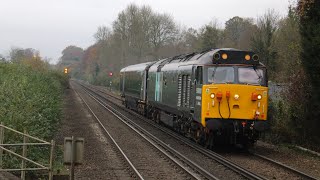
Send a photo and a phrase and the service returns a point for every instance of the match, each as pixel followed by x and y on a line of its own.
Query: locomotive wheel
pixel 157 118
pixel 209 140
pixel 199 136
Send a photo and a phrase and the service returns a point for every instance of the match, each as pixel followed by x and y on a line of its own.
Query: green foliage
pixel 287 44
pixel 210 36
pixel 31 100
pixel 309 13
pixel 289 113
pixel 263 39
pixel 237 33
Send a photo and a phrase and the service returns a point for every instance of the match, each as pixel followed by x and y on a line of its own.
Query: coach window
pixel 199 75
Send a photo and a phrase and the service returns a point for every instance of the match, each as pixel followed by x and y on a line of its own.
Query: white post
pixel 24 154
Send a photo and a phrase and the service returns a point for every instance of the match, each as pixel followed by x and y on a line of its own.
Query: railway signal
pixel 66 70
pixel 110 74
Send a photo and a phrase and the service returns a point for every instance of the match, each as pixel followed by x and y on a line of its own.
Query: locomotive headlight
pixel 236 96
pixel 212 95
pixel 247 57
pixel 259 97
pixel 224 56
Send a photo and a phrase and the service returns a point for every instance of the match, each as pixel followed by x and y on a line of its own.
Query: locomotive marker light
pixel 212 95
pixel 224 56
pixel 236 96
pixel 259 97
pixel 247 57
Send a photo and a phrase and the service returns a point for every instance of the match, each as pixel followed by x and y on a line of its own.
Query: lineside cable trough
pixel 73 153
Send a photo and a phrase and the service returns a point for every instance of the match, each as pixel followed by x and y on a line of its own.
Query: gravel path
pixel 151 163
pixel 100 159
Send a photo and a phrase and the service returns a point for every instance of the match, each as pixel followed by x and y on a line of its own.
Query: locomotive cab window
pixel 221 75
pixel 250 75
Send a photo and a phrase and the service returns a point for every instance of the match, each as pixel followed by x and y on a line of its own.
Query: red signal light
pixel 110 73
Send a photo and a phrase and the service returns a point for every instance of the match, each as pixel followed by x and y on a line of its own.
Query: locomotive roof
pixel 136 67
pixel 216 56
pixel 208 57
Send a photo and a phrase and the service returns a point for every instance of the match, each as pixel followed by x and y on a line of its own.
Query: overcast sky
pixel 51 25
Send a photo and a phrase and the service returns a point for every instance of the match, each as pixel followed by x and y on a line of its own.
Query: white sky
pixel 51 25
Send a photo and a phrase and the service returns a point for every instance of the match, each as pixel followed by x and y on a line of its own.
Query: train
pixel 217 96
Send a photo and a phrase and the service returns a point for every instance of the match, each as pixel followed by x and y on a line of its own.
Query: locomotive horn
pixel 255 57
pixel 216 56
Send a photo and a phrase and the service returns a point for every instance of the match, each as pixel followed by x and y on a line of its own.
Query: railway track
pixel 189 167
pixel 134 173
pixel 211 154
pixel 240 172
pixel 281 165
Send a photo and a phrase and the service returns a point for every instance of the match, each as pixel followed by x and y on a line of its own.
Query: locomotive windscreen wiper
pixel 258 74
pixel 214 71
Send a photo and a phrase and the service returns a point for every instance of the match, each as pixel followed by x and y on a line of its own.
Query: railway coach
pixel 215 96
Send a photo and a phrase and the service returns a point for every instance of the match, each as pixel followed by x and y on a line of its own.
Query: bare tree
pixel 17 55
pixel 2 59
pixel 210 35
pixel 162 31
pixel 102 34
pixel 237 32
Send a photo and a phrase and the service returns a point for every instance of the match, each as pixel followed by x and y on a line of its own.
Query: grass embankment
pixel 31 100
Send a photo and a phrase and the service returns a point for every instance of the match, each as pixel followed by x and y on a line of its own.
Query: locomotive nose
pixel 235 101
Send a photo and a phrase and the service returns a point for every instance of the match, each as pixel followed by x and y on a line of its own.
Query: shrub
pixel 31 100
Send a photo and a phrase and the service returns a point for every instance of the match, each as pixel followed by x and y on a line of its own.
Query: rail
pixel 23 157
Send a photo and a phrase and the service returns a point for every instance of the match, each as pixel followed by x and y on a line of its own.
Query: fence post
pixel 72 158
pixel 1 142
pixel 51 160
pixel 24 154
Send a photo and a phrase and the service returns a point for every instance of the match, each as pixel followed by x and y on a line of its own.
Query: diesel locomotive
pixel 215 96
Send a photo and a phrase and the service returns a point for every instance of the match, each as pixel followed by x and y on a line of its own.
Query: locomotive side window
pixel 199 75
pixel 219 75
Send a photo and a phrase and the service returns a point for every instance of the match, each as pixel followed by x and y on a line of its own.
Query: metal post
pixel 1 142
pixel 24 154
pixel 72 158
pixel 51 160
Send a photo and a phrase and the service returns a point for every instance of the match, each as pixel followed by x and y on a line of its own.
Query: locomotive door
pixel 198 93
pixel 158 87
